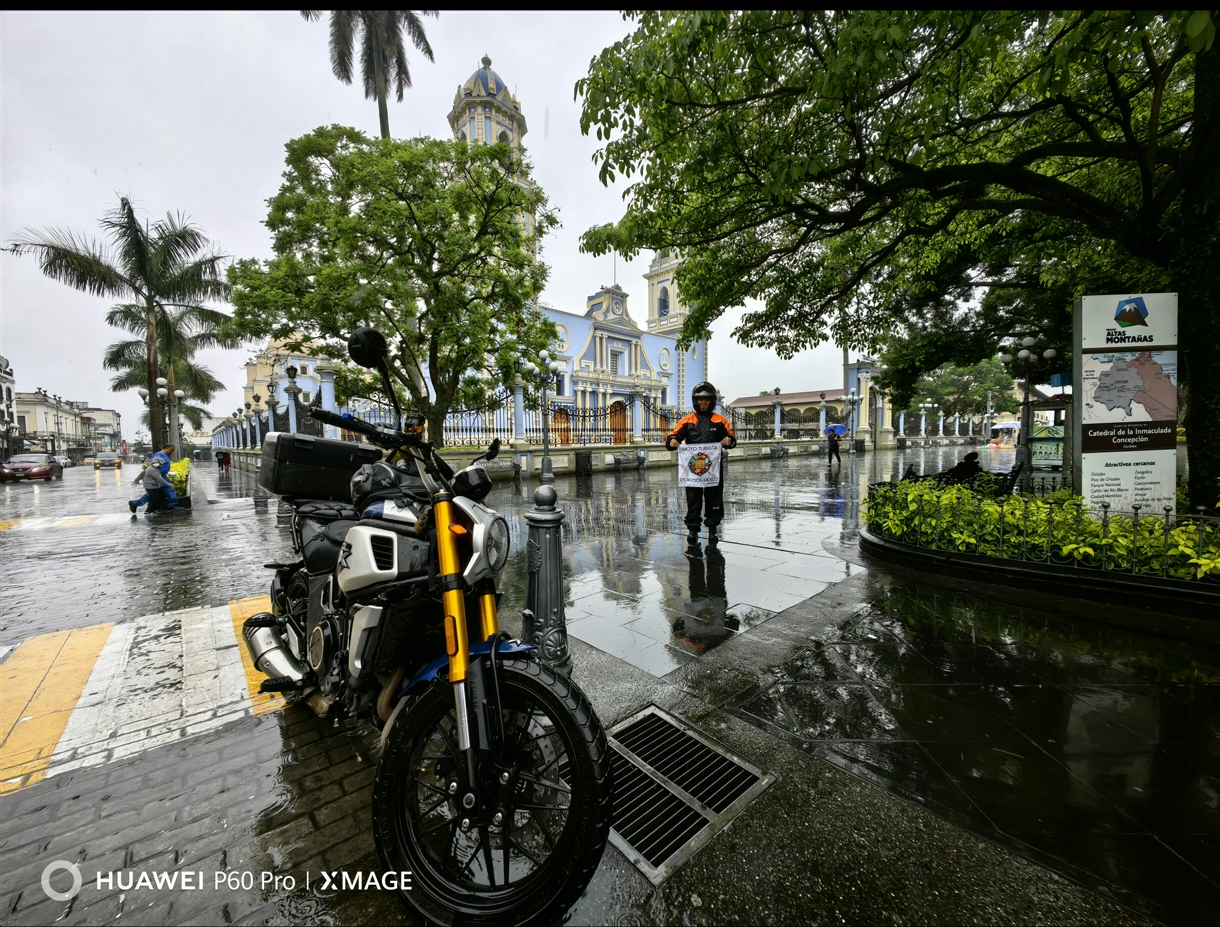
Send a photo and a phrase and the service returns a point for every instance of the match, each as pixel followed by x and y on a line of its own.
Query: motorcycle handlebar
pixel 347 422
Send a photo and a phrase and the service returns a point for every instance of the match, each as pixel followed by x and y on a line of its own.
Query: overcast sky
pixel 190 112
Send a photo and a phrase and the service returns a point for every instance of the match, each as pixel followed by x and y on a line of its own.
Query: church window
pixel 663 303
pixel 489 131
pixel 614 362
pixel 462 136
pixel 503 136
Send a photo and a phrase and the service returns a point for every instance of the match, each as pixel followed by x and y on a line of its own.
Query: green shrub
pixel 1055 529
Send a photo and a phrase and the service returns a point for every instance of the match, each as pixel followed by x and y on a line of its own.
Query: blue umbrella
pixel 840 430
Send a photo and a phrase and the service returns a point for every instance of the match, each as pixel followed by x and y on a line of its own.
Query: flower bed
pixel 1058 529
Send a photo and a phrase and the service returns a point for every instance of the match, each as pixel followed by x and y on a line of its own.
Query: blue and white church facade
pixel 605 355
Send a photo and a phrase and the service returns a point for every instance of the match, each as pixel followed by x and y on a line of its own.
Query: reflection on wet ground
pixel 1093 750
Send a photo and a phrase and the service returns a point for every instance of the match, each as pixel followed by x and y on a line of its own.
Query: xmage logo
pixel 364 881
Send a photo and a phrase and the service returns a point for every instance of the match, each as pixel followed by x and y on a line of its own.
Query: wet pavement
pixel 943 748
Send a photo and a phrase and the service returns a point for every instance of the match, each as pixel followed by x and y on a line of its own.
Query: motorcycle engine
pixel 323 650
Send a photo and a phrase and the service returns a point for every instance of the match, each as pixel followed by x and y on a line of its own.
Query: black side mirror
pixel 367 347
pixel 493 450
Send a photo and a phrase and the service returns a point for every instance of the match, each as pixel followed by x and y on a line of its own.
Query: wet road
pixel 1022 719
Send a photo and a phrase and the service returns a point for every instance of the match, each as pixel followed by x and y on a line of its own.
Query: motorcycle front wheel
pixel 536 836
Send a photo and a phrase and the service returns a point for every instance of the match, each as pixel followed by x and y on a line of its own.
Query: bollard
pixel 543 621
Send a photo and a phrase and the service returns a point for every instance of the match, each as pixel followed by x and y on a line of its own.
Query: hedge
pixel 1056 529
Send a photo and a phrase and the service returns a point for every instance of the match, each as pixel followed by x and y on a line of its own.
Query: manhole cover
pixel 674 790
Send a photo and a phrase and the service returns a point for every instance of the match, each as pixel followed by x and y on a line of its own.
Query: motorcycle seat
pixel 321 541
pixel 323 509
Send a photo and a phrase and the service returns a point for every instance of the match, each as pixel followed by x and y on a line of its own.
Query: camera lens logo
pixel 1131 312
pixel 61 865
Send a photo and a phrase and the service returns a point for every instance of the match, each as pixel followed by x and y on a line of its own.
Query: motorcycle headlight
pixel 497 545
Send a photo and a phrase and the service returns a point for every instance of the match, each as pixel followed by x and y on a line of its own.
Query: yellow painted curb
pixel 240 610
pixel 40 684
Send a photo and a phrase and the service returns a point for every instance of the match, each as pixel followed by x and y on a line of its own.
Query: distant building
pixel 8 409
pixel 51 425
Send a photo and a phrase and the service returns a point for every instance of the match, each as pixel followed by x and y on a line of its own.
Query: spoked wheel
pixel 540 819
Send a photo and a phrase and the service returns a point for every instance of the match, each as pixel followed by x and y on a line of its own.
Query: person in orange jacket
pixel 704 426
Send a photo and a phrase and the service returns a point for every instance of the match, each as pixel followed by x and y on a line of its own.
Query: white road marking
pixel 157 680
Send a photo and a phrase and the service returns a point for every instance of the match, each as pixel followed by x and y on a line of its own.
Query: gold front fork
pixel 452 600
pixel 487 616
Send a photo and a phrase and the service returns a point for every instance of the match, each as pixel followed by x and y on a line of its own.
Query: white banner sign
pixel 699 465
pixel 1124 478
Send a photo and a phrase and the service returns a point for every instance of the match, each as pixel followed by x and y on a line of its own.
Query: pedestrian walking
pixel 155 480
pixel 706 427
pixel 832 446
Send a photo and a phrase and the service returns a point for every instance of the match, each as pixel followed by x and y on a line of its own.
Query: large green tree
pixel 383 54
pixel 182 331
pixel 432 242
pixel 822 160
pixel 962 390
pixel 154 267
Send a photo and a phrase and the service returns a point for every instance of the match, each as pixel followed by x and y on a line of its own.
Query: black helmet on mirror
pixel 703 390
pixel 367 347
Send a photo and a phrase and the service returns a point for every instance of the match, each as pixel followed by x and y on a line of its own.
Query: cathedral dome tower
pixel 485 112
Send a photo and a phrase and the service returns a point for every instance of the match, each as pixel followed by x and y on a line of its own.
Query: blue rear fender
pixel 429 672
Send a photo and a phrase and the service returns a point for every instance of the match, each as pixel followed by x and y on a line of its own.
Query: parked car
pixel 36 467
pixel 107 460
pixel 65 462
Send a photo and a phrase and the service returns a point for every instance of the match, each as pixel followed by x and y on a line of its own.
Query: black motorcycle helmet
pixel 703 390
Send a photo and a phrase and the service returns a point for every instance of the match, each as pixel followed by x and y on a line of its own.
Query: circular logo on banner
pixel 700 464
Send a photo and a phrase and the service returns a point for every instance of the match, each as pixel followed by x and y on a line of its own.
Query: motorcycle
pixel 493 789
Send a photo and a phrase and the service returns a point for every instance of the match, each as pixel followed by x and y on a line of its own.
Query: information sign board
pixel 1125 404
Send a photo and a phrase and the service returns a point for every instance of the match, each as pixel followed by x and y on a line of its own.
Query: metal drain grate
pixel 674 789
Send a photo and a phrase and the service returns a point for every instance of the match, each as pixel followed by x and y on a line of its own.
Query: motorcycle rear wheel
pixel 556 806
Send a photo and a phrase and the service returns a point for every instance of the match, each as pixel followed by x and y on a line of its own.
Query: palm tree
pixel 168 263
pixel 182 331
pixel 383 56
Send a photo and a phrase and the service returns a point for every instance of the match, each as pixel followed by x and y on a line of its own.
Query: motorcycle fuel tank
pixel 375 555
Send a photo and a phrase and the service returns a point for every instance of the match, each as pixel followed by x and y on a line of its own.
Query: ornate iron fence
pixel 480 425
pixel 796 425
pixel 658 421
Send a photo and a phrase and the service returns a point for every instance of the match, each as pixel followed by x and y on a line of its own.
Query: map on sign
pixel 1129 386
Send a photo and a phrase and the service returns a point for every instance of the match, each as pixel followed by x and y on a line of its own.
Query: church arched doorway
pixel 618 422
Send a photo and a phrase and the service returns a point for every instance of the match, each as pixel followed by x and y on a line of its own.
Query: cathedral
pixel 605 355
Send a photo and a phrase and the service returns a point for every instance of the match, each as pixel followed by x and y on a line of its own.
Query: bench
pixel 502 465
pixel 634 461
pixel 778 450
pixel 1005 482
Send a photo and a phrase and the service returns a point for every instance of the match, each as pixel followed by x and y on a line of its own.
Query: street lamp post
pixel 293 391
pixel 544 374
pixel 272 402
pixel 850 402
pixel 258 414
pixel 1024 453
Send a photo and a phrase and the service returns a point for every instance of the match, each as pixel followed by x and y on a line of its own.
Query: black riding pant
pixel 710 500
pixel 833 454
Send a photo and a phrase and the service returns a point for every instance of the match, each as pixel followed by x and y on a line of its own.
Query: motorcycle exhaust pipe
pixel 269 652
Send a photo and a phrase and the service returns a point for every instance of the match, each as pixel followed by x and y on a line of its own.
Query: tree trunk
pixel 156 428
pixel 379 75
pixel 1197 279
pixel 435 417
